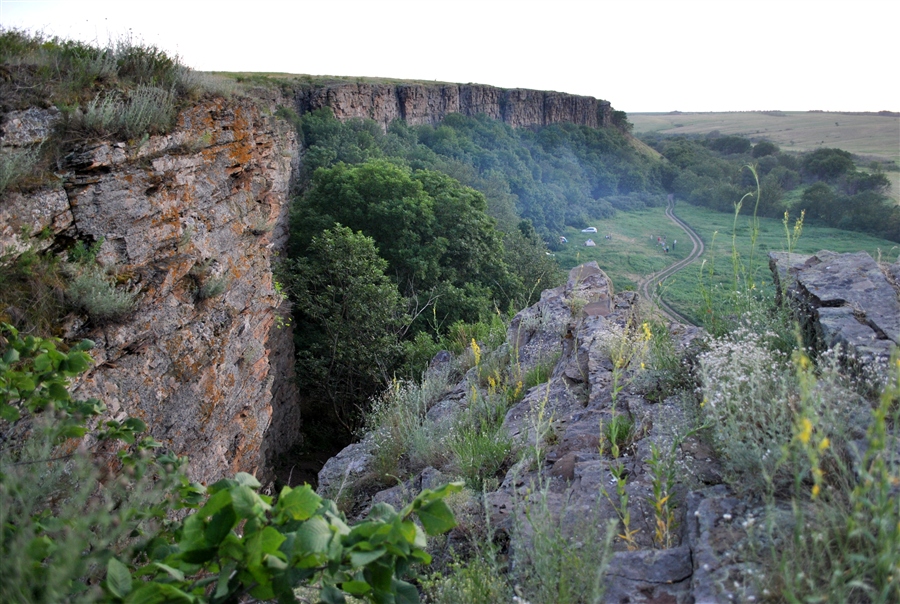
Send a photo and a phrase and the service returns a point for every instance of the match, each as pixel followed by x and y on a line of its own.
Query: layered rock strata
pixel 423 104
pixel 190 222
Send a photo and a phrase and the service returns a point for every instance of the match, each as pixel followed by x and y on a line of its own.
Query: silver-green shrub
pixel 93 292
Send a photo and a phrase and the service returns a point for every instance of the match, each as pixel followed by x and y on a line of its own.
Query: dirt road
pixel 648 286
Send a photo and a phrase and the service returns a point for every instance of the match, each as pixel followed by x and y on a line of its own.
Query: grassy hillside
pixel 867 134
pixel 632 252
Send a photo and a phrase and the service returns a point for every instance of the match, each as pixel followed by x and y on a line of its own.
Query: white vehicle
pixel 589 230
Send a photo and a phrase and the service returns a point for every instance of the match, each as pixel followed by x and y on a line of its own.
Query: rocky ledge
pixel 843 300
pixel 579 322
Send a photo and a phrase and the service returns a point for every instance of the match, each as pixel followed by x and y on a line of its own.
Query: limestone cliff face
pixel 423 104
pixel 206 205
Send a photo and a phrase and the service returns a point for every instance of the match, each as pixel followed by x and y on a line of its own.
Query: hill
pixel 874 135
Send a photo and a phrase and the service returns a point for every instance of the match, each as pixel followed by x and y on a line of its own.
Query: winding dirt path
pixel 648 286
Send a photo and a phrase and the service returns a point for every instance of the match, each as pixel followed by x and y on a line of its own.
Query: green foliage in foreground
pixel 85 526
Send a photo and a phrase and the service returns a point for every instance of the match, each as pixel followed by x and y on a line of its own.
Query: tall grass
pixel 16 165
pixel 811 440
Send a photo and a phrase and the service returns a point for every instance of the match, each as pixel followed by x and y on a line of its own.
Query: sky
pixel 641 55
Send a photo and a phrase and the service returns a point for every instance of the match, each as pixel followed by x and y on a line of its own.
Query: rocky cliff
pixel 709 556
pixel 190 222
pixel 424 104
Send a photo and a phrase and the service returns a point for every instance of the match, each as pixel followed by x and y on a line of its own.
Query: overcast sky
pixel 642 55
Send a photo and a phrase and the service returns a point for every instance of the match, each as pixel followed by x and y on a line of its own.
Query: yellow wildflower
pixel 824 444
pixel 476 351
pixel 805 430
pixel 648 335
pixel 815 491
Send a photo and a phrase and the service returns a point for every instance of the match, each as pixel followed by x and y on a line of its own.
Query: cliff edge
pixel 423 104
pixel 190 222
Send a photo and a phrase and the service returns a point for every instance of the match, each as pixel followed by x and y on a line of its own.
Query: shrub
pixel 33 291
pixel 146 110
pixel 398 422
pixel 212 287
pixel 94 293
pixel 16 165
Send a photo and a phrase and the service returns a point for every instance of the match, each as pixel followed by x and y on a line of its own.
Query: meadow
pixel 632 252
pixel 867 134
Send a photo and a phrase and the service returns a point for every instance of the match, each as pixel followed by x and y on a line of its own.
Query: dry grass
pixel 866 134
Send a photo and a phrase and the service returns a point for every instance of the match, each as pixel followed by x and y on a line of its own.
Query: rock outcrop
pixel 581 322
pixel 843 300
pixel 429 104
pixel 190 222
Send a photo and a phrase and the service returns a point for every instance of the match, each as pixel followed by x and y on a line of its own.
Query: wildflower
pixel 805 430
pixel 815 491
pixel 476 351
pixel 824 444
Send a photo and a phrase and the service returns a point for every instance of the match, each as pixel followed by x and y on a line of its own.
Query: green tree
pixel 434 233
pixel 764 148
pixel 827 164
pixel 730 145
pixel 349 317
pixel 821 203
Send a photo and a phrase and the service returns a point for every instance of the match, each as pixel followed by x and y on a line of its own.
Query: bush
pixel 16 165
pixel 146 110
pixel 94 293
pixel 32 291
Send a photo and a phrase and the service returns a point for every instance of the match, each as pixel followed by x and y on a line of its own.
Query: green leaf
pixel 9 413
pixel 71 432
pixel 422 556
pixel 246 502
pixel 10 356
pixel 382 511
pixel 263 592
pixel 41 362
pixel 332 595
pixel 39 547
pixel 173 572
pixel 134 424
pixel 270 540
pixel 118 579
pixel 58 392
pixel 215 503
pixel 405 593
pixel 248 480
pixel 79 362
pixel 299 504
pixel 223 585
pixel 313 536
pixel 157 593
pixel 356 588
pixel 24 384
pixel 436 517
pixel 358 559
pixel 84 345
pixel 379 575
pixel 219 526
